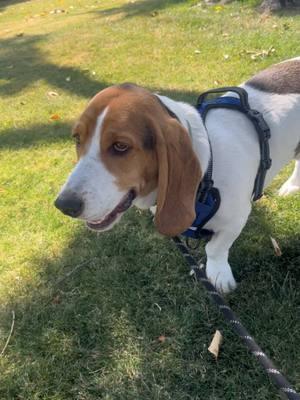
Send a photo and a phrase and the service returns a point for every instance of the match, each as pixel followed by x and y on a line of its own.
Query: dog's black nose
pixel 69 204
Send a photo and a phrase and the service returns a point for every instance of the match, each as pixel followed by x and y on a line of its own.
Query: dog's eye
pixel 76 137
pixel 120 147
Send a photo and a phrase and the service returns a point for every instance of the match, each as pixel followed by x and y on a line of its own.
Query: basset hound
pixel 138 148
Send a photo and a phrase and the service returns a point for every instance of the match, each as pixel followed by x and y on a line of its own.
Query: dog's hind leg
pixel 153 210
pixel 292 185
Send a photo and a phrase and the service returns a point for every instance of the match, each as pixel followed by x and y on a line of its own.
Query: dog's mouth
pixel 123 206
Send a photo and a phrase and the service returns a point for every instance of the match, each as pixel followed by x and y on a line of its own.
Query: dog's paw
pixel 289 187
pixel 220 275
pixel 153 210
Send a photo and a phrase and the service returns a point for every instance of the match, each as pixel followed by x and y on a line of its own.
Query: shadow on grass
pixel 22 64
pixel 97 332
pixel 141 7
pixel 6 3
pixel 17 138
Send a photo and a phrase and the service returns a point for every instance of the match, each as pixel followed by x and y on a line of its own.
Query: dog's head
pixel 131 151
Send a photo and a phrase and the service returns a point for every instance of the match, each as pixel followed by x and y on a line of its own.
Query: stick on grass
pixel 10 333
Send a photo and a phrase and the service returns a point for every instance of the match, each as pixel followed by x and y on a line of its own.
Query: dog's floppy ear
pixel 179 174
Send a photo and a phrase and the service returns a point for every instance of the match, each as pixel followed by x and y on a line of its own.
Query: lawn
pixel 116 316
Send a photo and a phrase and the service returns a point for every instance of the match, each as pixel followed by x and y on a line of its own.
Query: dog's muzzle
pixel 69 204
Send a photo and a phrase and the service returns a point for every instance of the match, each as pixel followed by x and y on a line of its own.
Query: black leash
pixel 276 377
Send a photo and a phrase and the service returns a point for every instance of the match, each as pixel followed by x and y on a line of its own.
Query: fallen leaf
pixel 218 8
pixel 55 117
pixel 52 94
pixel 2 190
pixel 57 11
pixel 264 17
pixel 161 338
pixel 277 249
pixel 260 54
pixel 215 345
pixel 56 299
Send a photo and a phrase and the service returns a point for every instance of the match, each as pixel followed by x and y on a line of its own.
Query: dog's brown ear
pixel 179 174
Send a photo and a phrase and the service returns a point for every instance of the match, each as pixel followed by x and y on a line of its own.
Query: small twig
pixel 10 333
pixel 64 278
pixel 82 264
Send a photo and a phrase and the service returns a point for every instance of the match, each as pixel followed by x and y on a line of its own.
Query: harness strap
pixel 241 104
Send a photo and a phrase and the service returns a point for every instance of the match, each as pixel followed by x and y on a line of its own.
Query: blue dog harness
pixel 208 197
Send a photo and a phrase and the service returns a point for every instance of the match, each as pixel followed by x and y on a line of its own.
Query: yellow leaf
pixel 55 117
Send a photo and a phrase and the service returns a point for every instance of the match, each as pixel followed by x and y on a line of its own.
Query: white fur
pixel 146 201
pixel 292 185
pixel 236 158
pixel 93 183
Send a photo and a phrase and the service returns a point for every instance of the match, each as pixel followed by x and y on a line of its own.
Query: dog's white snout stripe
pixel 92 182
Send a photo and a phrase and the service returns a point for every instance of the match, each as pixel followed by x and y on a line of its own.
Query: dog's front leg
pixel 218 270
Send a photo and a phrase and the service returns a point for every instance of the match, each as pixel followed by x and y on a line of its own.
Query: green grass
pixel 95 334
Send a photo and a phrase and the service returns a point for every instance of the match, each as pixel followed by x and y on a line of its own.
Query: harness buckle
pixel 205 187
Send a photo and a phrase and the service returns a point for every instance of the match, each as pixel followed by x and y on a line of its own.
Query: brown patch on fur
pixel 149 140
pixel 127 121
pixel 283 78
pixel 179 177
pixel 160 152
